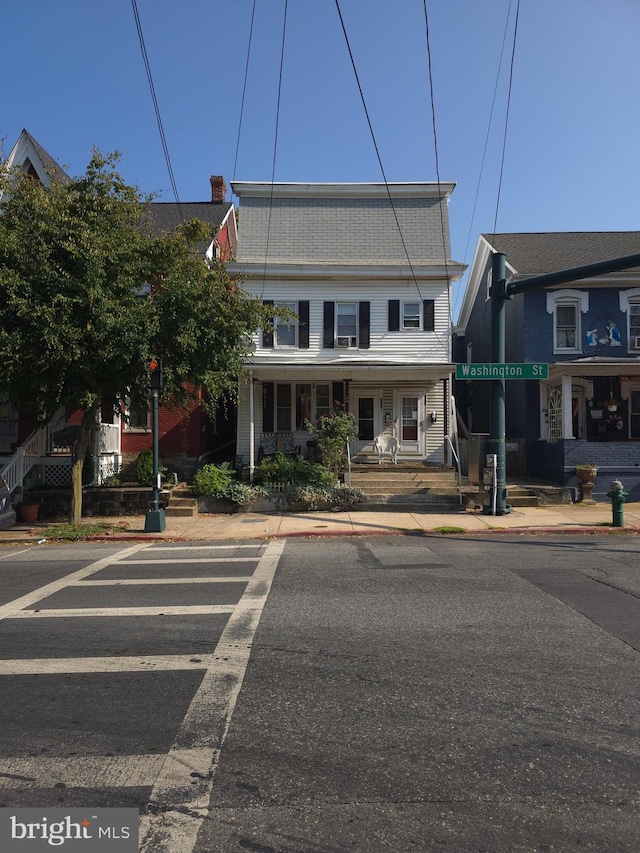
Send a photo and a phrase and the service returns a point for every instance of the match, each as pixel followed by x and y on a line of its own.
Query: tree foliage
pixel 88 295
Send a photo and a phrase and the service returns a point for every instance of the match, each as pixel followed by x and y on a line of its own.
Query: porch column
pixel 252 428
pixel 567 409
pixel 544 421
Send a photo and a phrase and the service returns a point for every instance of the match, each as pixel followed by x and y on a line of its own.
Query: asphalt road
pixel 395 693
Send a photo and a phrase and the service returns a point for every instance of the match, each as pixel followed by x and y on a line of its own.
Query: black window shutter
pixel 394 315
pixel 267 407
pixel 338 393
pixel 328 326
pixel 303 324
pixel 267 334
pixel 428 315
pixel 364 314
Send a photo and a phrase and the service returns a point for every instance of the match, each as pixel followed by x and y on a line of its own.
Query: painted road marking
pixel 184 560
pixel 86 771
pixel 173 548
pixel 183 788
pixel 147 581
pixel 159 610
pixel 67 666
pixel 18 604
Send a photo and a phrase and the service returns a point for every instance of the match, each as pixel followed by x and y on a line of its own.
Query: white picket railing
pixel 26 456
pixel 56 469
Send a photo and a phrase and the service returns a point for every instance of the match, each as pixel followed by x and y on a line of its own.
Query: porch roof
pixel 595 366
pixel 353 370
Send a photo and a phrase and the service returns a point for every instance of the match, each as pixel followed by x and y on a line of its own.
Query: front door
pixel 366 408
pixel 410 417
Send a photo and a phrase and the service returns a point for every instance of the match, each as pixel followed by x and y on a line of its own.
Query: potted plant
pixel 586 472
pixel 28 509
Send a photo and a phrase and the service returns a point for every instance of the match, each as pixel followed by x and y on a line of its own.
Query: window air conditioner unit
pixel 345 341
pixel 636 343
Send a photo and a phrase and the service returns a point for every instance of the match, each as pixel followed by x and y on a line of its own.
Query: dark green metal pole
pixel 497 430
pixel 155 521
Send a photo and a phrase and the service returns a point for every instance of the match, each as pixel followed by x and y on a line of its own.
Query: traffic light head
pixel 155 366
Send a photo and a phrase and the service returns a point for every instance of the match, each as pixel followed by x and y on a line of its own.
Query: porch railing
pixel 16 468
pixel 454 444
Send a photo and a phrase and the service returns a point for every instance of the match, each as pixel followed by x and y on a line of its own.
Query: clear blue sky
pixel 74 77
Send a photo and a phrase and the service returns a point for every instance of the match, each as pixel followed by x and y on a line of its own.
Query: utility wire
pixel 384 177
pixel 435 146
pixel 275 146
pixel 244 89
pixel 486 144
pixel 506 120
pixel 163 139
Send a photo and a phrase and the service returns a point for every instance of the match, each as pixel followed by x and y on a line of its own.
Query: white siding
pixel 406 345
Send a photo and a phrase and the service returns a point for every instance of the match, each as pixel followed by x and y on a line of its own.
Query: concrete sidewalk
pixel 564 518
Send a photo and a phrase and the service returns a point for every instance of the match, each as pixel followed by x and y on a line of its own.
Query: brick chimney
pixel 218 189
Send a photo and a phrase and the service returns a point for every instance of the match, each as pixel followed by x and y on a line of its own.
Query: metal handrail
pixel 455 450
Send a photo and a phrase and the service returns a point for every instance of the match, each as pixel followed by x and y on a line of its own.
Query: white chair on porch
pixel 386 445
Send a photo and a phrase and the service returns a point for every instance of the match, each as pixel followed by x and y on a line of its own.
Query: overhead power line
pixel 163 138
pixel 506 119
pixel 382 171
pixel 244 89
pixel 435 146
pixel 275 144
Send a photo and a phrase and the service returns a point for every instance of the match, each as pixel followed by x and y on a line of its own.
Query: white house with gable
pixel 367 270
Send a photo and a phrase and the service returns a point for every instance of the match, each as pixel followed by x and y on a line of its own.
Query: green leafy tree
pixel 88 295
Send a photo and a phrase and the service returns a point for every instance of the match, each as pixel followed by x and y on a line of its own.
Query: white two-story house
pixel 367 270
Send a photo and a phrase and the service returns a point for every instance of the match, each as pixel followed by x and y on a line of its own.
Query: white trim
pixel 443 189
pixel 565 298
pixel 283 270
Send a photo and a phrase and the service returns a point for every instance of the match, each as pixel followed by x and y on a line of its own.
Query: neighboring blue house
pixel 588 411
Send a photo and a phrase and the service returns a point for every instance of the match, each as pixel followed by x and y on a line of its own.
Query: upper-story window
pixel 567 306
pixel 346 324
pixel 286 331
pixel 411 312
pixel 630 304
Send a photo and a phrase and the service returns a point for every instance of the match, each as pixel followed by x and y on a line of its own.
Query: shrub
pixel 333 433
pixel 295 470
pixel 212 480
pixel 217 481
pixel 144 468
pixel 324 497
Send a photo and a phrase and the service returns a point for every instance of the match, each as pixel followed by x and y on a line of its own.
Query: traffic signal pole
pixel 501 291
pixel 155 521
pixel 497 413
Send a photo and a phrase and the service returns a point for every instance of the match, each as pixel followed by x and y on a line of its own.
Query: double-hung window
pixel 411 313
pixel 567 306
pixel 630 304
pixel 346 324
pixel 286 331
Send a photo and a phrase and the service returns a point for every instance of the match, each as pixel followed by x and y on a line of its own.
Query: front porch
pixel 44 461
pixel 590 414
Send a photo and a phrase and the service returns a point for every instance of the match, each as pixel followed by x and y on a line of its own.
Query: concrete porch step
pixel 181 504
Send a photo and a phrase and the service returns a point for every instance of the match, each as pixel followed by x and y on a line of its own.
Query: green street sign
pixel 502 371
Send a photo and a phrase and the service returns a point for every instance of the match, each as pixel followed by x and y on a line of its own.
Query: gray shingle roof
pixel 537 253
pixel 53 169
pixel 166 214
